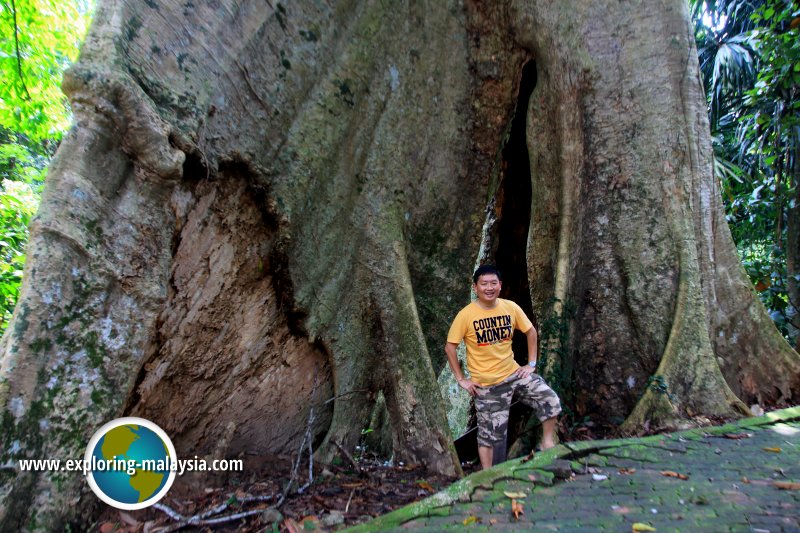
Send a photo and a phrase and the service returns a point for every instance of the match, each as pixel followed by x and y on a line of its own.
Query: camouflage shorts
pixel 492 405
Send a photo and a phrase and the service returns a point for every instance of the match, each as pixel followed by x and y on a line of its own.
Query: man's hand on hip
pixel 524 371
pixel 469 386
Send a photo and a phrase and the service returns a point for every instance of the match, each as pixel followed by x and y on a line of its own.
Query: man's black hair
pixel 486 269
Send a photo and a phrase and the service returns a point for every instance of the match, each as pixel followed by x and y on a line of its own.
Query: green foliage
pixel 18 163
pixel 18 203
pixel 38 40
pixel 749 53
pixel 658 384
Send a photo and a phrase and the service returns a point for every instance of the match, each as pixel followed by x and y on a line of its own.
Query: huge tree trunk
pixel 266 205
pixel 627 228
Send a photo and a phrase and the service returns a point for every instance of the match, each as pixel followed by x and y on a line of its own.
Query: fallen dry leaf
pixel 627 471
pixel 773 450
pixel 639 526
pixel 515 495
pixel 516 508
pixel 425 485
pixel 471 520
pixel 493 521
pixel 670 473
pixel 528 457
pixel 107 527
pixel 292 526
pixel 310 519
pixel 786 485
pixel 745 480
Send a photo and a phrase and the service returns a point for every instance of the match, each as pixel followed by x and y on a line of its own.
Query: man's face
pixel 488 288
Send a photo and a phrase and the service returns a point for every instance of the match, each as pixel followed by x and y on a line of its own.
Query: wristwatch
pixel 532 364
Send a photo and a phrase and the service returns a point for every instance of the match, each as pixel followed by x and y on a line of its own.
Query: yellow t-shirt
pixel 487 334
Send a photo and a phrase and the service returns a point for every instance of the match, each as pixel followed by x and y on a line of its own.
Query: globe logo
pixel 130 463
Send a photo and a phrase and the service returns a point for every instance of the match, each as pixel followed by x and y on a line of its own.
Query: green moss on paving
pixel 440 511
pixel 483 491
pixel 638 452
pixel 540 477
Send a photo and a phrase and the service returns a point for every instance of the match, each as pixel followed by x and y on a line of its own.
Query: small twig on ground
pixel 204 518
pixel 307 442
pixel 228 518
pixel 347 507
pixel 309 436
pixel 169 512
pixel 211 512
pixel 209 522
pixel 248 499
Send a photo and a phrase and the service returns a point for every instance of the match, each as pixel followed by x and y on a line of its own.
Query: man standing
pixel 487 326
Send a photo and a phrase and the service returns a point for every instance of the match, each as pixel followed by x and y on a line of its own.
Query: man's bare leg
pixel 485 453
pixel 548 434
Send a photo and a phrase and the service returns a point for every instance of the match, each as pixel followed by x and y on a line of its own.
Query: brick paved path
pixel 733 482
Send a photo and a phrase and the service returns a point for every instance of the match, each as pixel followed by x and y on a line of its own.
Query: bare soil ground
pixel 339 496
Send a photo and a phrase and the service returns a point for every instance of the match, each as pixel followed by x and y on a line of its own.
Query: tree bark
pixel 627 224
pixel 254 195
pixel 263 205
